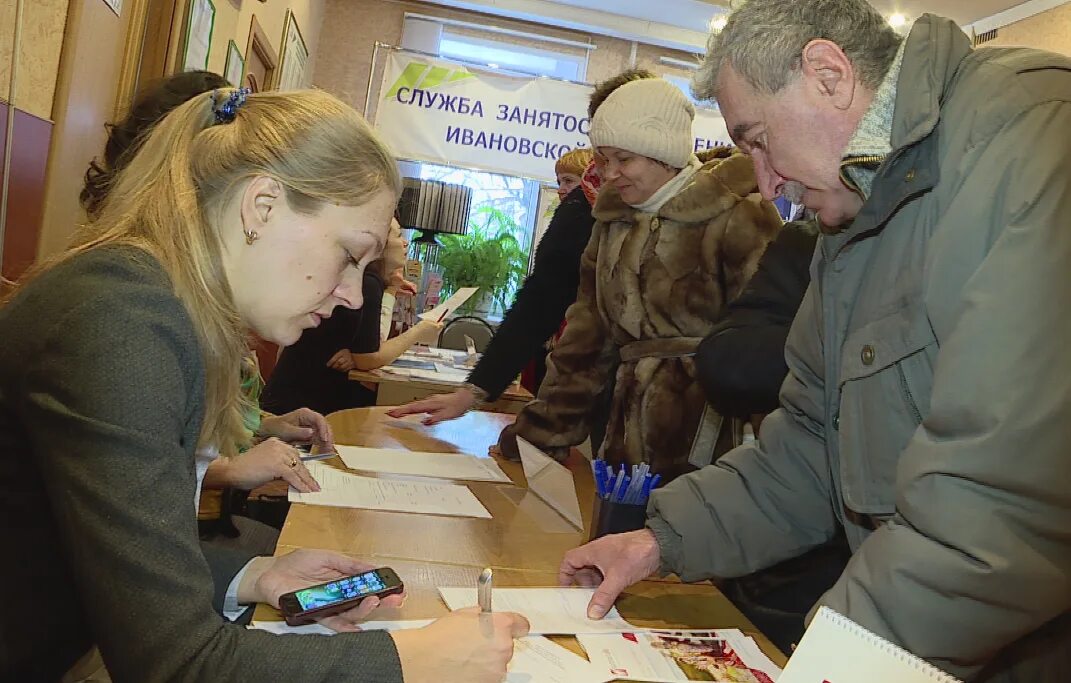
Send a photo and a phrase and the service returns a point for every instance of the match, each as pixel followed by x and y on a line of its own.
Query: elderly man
pixel 928 403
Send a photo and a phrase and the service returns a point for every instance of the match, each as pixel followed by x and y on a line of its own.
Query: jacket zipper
pixel 906 390
pixel 856 161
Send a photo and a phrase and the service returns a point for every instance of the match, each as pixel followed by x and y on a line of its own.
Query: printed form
pixel 548 610
pixel 340 489
pixel 420 464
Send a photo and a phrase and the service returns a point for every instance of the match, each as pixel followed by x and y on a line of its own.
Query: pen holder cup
pixel 616 518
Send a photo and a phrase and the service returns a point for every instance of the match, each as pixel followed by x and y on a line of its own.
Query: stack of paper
pixel 340 489
pixel 726 656
pixel 548 610
pixel 419 464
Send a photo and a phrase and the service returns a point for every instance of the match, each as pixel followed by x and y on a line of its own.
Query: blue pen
pixel 617 485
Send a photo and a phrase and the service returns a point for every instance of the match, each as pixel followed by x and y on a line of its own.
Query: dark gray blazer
pixel 101 403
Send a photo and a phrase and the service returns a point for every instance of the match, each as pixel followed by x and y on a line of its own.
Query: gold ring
pixel 293 464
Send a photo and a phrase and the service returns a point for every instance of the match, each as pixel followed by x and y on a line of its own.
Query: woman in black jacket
pixel 536 314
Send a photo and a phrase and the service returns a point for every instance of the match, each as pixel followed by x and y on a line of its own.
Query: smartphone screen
pixel 340 591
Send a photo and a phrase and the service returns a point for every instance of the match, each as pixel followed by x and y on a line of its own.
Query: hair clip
pixel 226 111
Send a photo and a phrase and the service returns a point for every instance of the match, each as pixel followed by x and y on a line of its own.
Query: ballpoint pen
pixel 483 590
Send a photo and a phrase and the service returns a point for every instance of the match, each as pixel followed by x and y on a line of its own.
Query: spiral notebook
pixel 835 649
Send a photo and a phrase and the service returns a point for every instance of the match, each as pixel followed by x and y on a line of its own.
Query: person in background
pixel 272 455
pixel 378 351
pixel 538 311
pixel 674 241
pixel 927 408
pixel 569 169
pixel 119 361
pixel 397 286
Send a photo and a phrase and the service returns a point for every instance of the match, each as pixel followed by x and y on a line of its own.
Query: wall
pixel 85 100
pixel 233 24
pixel 36 68
pixel 351 28
pixel 39 55
pixel 1049 30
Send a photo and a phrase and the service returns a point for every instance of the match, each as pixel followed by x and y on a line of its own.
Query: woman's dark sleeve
pixel 542 300
pixel 741 364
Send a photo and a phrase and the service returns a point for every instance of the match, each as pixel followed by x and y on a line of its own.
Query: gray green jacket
pixel 101 403
pixel 928 403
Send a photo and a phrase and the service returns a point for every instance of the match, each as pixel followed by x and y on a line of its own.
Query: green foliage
pixel 488 257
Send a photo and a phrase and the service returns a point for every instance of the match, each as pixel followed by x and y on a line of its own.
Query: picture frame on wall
pixel 200 22
pixel 234 71
pixel 295 56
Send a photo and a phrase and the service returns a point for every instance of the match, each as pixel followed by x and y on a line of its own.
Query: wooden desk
pixel 396 390
pixel 524 541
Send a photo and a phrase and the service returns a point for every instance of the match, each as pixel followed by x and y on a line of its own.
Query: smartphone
pixel 305 605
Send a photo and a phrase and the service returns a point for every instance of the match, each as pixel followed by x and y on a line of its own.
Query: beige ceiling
pixel 961 11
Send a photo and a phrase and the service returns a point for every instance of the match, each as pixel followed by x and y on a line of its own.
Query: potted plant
pixel 488 257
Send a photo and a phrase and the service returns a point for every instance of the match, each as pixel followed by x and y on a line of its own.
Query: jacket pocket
pixel 886 377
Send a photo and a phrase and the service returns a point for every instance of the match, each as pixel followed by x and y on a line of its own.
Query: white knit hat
pixel 650 117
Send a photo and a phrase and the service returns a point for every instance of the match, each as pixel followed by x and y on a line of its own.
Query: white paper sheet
pixel 548 610
pixel 419 464
pixel 538 660
pixel 340 489
pixel 724 655
pixel 456 300
pixel 551 481
pixel 282 628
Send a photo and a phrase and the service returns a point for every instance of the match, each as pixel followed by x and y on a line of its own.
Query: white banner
pixel 442 112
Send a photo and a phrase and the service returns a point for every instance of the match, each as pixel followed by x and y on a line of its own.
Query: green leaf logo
pixel 425 76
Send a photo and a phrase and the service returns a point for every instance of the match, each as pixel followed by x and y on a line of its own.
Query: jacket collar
pixel 935 49
pixel 715 188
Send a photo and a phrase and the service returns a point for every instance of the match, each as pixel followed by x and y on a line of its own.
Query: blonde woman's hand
pixel 465 645
pixel 267 461
pixel 268 578
pixel 303 425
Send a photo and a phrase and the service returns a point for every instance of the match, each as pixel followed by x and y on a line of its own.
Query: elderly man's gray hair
pixel 763 41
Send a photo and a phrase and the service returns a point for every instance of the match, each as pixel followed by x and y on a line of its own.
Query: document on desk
pixel 420 464
pixel 341 489
pixel 447 308
pixel 538 660
pixel 548 610
pixel 724 655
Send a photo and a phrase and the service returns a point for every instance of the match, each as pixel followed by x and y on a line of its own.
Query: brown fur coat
pixel 659 279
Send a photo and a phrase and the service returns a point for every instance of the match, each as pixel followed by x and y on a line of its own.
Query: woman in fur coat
pixel 674 241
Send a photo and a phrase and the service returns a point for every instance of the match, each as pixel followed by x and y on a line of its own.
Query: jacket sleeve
pixel 541 303
pixel 224 563
pixel 977 555
pixel 577 368
pixel 741 363
pixel 105 404
pixel 762 502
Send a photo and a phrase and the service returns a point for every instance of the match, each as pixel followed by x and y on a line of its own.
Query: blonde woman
pixel 118 362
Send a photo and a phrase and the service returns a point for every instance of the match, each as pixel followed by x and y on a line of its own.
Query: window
pixel 511 51
pixel 510 57
pixel 513 201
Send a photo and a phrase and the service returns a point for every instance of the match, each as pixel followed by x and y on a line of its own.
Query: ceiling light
pixel 897 20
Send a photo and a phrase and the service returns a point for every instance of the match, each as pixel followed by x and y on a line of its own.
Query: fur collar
pixel 717 187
